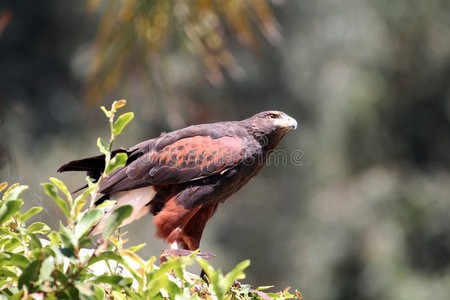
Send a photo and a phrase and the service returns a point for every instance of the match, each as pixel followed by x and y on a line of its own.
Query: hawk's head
pixel 270 126
pixel 271 121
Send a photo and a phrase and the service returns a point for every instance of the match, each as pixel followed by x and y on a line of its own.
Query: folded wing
pixel 184 160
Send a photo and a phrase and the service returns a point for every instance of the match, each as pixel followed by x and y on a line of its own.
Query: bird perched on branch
pixel 182 176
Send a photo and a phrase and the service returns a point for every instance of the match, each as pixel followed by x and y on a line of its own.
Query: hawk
pixel 182 176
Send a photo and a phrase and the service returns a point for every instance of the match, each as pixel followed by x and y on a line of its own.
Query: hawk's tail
pixel 93 166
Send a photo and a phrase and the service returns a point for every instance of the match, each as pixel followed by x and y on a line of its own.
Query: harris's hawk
pixel 182 176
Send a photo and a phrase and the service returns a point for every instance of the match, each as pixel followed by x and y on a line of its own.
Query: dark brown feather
pixel 185 160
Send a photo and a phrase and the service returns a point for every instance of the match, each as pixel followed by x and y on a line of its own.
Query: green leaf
pixel 85 241
pixel 99 292
pixel 159 277
pixel 114 279
pixel 215 277
pixel 137 247
pixel 34 240
pixel 173 289
pixel 54 237
pixel 38 227
pixel 30 213
pixel 236 273
pixel 116 218
pixel 12 244
pixel 7 273
pixel 8 209
pixel 29 274
pixel 244 288
pixel 14 191
pixel 264 287
pixel 110 255
pixel 87 221
pixel 106 203
pixel 16 259
pixel 9 190
pixel 13 292
pixel 106 255
pixel 47 267
pixel 51 191
pixel 67 237
pixel 62 187
pixel 107 112
pixel 119 160
pixel 78 208
pixel 121 122
pixel 274 296
pixel 80 201
pixel 103 146
pixel 118 295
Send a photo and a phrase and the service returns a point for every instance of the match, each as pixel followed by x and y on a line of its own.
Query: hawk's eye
pixel 272 116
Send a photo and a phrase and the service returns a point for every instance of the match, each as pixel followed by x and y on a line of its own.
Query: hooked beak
pixel 287 122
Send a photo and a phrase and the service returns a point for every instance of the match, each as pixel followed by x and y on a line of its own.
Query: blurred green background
pixel 366 212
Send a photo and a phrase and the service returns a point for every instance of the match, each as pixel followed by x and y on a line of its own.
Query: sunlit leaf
pixel 106 203
pixel 236 273
pixel 47 267
pixel 31 212
pixel 121 122
pixel 54 237
pixel 67 237
pixel 8 209
pixel 137 247
pixel 133 256
pixel 107 112
pixel 78 207
pixel 35 242
pixel 103 146
pixel 85 241
pixel 51 191
pixel 118 295
pixel 80 200
pixel 119 160
pixel 99 292
pixel 7 273
pixel 59 184
pixel 116 218
pixel 14 191
pixel 38 227
pixel 15 259
pixel 264 287
pixel 87 221
pixel 114 280
pixel 11 244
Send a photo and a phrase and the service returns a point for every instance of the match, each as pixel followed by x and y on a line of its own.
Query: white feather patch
pixel 137 198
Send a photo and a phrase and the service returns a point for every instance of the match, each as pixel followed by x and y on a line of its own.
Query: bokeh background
pixel 366 212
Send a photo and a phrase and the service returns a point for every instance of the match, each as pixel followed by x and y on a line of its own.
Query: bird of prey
pixel 182 176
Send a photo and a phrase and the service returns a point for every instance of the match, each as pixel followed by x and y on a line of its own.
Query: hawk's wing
pixel 184 160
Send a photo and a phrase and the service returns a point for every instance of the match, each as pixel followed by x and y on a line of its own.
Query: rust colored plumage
pixel 182 176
